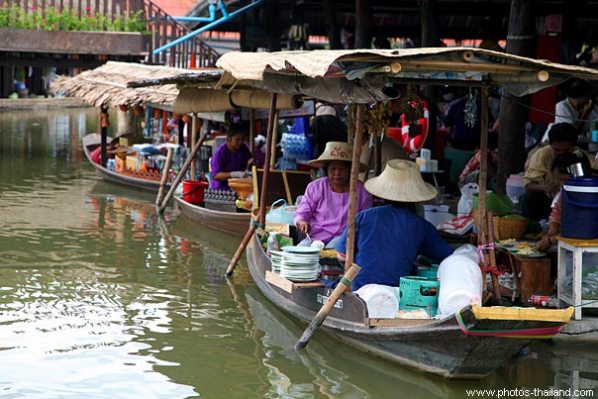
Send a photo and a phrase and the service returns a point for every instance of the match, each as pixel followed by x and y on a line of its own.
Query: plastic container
pixel 579 217
pixel 419 293
pixel 430 272
pixel 515 187
pixel 460 279
pixel 193 191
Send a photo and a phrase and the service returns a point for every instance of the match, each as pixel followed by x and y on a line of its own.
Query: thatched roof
pixel 106 86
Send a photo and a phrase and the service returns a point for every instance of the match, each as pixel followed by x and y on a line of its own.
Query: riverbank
pixel 41 103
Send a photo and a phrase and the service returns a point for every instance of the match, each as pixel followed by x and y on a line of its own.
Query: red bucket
pixel 193 191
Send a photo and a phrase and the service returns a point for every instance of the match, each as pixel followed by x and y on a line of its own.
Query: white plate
pixel 302 250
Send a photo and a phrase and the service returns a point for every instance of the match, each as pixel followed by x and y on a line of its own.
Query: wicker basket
pixel 505 229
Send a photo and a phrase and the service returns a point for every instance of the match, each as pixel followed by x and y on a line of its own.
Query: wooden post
pixel 521 40
pixel 353 186
pixel 377 155
pixel 482 225
pixel 164 176
pixel 262 211
pixel 182 172
pixel 363 24
pixel 332 29
pixel 193 139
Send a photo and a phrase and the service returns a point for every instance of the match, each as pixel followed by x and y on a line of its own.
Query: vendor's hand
pixel 544 244
pixel 586 109
pixel 238 174
pixel 302 226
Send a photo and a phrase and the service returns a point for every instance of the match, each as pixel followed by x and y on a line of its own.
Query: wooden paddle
pixel 327 307
pixel 164 176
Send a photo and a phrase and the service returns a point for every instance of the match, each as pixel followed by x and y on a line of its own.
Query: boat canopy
pixel 364 76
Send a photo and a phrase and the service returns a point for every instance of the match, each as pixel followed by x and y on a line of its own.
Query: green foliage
pixel 50 19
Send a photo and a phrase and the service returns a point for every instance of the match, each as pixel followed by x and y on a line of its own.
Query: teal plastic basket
pixel 430 272
pixel 419 293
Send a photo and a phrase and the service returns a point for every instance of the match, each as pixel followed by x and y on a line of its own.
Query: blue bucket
pixel 579 215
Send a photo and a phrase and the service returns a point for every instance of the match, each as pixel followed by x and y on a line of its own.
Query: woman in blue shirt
pixel 388 238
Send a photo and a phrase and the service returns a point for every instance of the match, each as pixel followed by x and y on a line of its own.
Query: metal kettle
pixel 576 170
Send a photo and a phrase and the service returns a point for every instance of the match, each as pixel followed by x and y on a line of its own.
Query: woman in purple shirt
pixel 230 159
pixel 322 212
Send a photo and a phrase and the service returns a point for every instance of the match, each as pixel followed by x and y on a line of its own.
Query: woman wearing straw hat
pixel 389 238
pixel 322 212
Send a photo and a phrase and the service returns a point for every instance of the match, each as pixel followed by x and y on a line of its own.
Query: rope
pixel 513 100
pixel 545 332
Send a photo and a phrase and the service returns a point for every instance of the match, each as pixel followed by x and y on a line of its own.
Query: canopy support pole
pixel 273 116
pixel 104 135
pixel 194 121
pixel 353 185
pixel 483 235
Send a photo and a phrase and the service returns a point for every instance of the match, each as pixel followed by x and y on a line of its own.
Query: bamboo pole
pixel 353 186
pixel 262 211
pixel 182 172
pixel 492 261
pixel 164 176
pixel 193 140
pixel 433 65
pixel 482 225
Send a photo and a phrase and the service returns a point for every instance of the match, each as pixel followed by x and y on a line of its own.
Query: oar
pixel 182 172
pixel 327 307
pixel 233 262
pixel 164 176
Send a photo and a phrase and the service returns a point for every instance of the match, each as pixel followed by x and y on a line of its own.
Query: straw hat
pixel 401 181
pixel 335 151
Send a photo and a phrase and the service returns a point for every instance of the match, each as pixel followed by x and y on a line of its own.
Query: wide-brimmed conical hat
pixel 401 181
pixel 335 151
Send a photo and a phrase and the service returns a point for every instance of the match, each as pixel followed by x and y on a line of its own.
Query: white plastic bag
pixel 461 280
pixel 381 300
pixel 465 205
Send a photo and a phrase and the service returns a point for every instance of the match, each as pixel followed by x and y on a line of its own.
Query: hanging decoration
pixel 377 118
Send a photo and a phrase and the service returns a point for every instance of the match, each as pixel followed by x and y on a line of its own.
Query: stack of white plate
pixel 276 259
pixel 300 263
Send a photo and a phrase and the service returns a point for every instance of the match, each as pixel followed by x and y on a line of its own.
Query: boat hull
pixel 130 181
pixel 435 346
pixel 228 222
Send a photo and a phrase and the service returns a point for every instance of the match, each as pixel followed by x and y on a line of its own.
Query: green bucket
pixel 419 293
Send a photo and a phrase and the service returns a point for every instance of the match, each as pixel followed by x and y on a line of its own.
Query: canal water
pixel 99 298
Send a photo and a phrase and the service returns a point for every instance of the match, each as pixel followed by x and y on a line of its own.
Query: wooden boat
pixel 470 345
pixel 90 142
pixel 227 222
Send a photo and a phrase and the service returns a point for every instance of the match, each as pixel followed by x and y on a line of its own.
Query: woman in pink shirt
pixel 322 212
